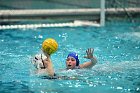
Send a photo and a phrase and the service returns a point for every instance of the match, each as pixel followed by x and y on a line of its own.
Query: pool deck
pixel 94 14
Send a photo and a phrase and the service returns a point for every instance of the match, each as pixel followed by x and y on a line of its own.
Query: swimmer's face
pixel 70 62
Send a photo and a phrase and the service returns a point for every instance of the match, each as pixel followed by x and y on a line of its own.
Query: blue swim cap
pixel 75 55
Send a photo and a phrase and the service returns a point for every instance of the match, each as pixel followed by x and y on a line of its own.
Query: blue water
pixel 116 46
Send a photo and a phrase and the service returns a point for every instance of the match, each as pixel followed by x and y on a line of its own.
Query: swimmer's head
pixel 75 56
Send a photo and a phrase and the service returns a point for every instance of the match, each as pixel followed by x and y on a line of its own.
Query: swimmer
pixel 43 64
pixel 72 61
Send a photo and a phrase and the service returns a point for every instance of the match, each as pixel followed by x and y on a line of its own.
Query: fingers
pixel 89 50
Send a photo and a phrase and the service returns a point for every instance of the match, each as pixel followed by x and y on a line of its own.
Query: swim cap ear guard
pixel 75 55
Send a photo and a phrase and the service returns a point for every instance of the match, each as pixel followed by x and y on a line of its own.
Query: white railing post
pixel 102 14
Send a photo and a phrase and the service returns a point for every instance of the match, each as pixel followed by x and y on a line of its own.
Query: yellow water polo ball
pixel 49 46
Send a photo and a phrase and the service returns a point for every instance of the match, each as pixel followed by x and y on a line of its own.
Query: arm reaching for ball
pixel 43 61
pixel 48 65
pixel 49 46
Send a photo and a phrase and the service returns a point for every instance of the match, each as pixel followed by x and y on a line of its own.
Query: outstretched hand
pixel 89 52
pixel 47 55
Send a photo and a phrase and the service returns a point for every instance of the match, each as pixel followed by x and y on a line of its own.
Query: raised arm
pixel 92 58
pixel 48 66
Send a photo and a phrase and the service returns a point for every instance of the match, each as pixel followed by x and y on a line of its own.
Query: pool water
pixel 116 46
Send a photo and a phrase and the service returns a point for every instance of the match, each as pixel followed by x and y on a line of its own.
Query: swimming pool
pixel 117 47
